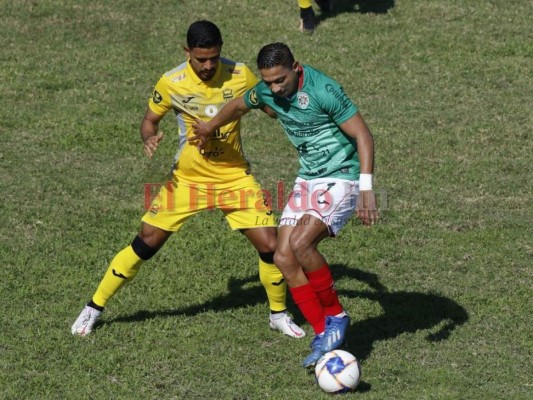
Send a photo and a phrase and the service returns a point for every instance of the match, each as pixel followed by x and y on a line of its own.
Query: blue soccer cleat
pixel 334 333
pixel 316 352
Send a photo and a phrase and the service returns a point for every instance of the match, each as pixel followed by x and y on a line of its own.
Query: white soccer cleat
pixel 85 322
pixel 283 322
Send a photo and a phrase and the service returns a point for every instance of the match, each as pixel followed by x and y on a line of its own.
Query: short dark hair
pixel 273 55
pixel 203 34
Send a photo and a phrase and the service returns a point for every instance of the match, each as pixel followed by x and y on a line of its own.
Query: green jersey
pixel 312 118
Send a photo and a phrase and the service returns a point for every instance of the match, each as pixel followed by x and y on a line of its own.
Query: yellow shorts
pixel 243 202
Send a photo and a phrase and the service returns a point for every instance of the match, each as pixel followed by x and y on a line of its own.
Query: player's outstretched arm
pixel 366 203
pixel 230 112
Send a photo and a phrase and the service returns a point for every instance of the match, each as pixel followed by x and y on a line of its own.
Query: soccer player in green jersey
pixel 336 154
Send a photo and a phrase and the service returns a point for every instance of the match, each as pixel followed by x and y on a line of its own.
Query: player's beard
pixel 208 74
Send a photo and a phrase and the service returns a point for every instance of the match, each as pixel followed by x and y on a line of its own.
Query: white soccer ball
pixel 337 372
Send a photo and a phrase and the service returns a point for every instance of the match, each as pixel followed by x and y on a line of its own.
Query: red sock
pixel 309 304
pixel 322 283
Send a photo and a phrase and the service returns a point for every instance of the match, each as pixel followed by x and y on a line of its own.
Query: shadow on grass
pixel 403 312
pixel 361 6
pixel 356 6
pixel 241 293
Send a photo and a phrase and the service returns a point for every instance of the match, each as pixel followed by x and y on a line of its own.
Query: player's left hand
pixel 202 132
pixel 366 207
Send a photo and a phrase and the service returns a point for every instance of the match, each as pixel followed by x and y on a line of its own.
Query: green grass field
pixel 439 292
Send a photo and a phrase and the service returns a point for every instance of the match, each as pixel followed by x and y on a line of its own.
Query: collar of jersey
pixel 196 79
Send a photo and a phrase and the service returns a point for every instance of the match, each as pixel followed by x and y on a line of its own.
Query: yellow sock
pixel 274 284
pixel 122 269
pixel 304 3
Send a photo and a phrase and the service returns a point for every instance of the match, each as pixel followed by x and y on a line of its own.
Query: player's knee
pixel 143 251
pixel 281 260
pixel 287 266
pixel 299 244
pixel 267 257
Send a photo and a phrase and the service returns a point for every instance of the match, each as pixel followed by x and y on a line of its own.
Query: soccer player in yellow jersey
pixel 217 176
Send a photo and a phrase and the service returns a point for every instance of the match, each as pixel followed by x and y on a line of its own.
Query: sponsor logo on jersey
pixel 303 100
pixel 252 97
pixel 218 151
pixel 217 135
pixel 178 78
pixel 227 94
pixel 339 95
pixel 156 97
pixel 307 150
pixel 317 172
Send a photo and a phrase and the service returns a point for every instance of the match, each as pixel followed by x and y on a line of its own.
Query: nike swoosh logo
pixel 187 100
pixel 278 283
pixel 118 274
pixel 298 334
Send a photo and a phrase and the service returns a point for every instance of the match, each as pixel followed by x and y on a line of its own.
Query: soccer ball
pixel 337 372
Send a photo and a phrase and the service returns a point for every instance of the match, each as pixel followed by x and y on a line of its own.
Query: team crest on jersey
pixel 211 110
pixel 156 97
pixel 252 97
pixel 227 94
pixel 303 100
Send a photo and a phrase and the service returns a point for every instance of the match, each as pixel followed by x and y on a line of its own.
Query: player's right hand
pixel 366 207
pixel 201 133
pixel 150 144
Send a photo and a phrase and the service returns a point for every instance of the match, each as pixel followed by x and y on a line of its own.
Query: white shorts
pixel 331 200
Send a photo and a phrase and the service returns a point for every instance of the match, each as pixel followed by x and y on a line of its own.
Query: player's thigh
pixel 171 207
pixel 246 206
pixel 283 248
pixel 285 259
pixel 308 233
pixel 263 238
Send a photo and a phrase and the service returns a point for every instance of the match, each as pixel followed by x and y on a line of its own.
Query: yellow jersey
pixel 223 158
